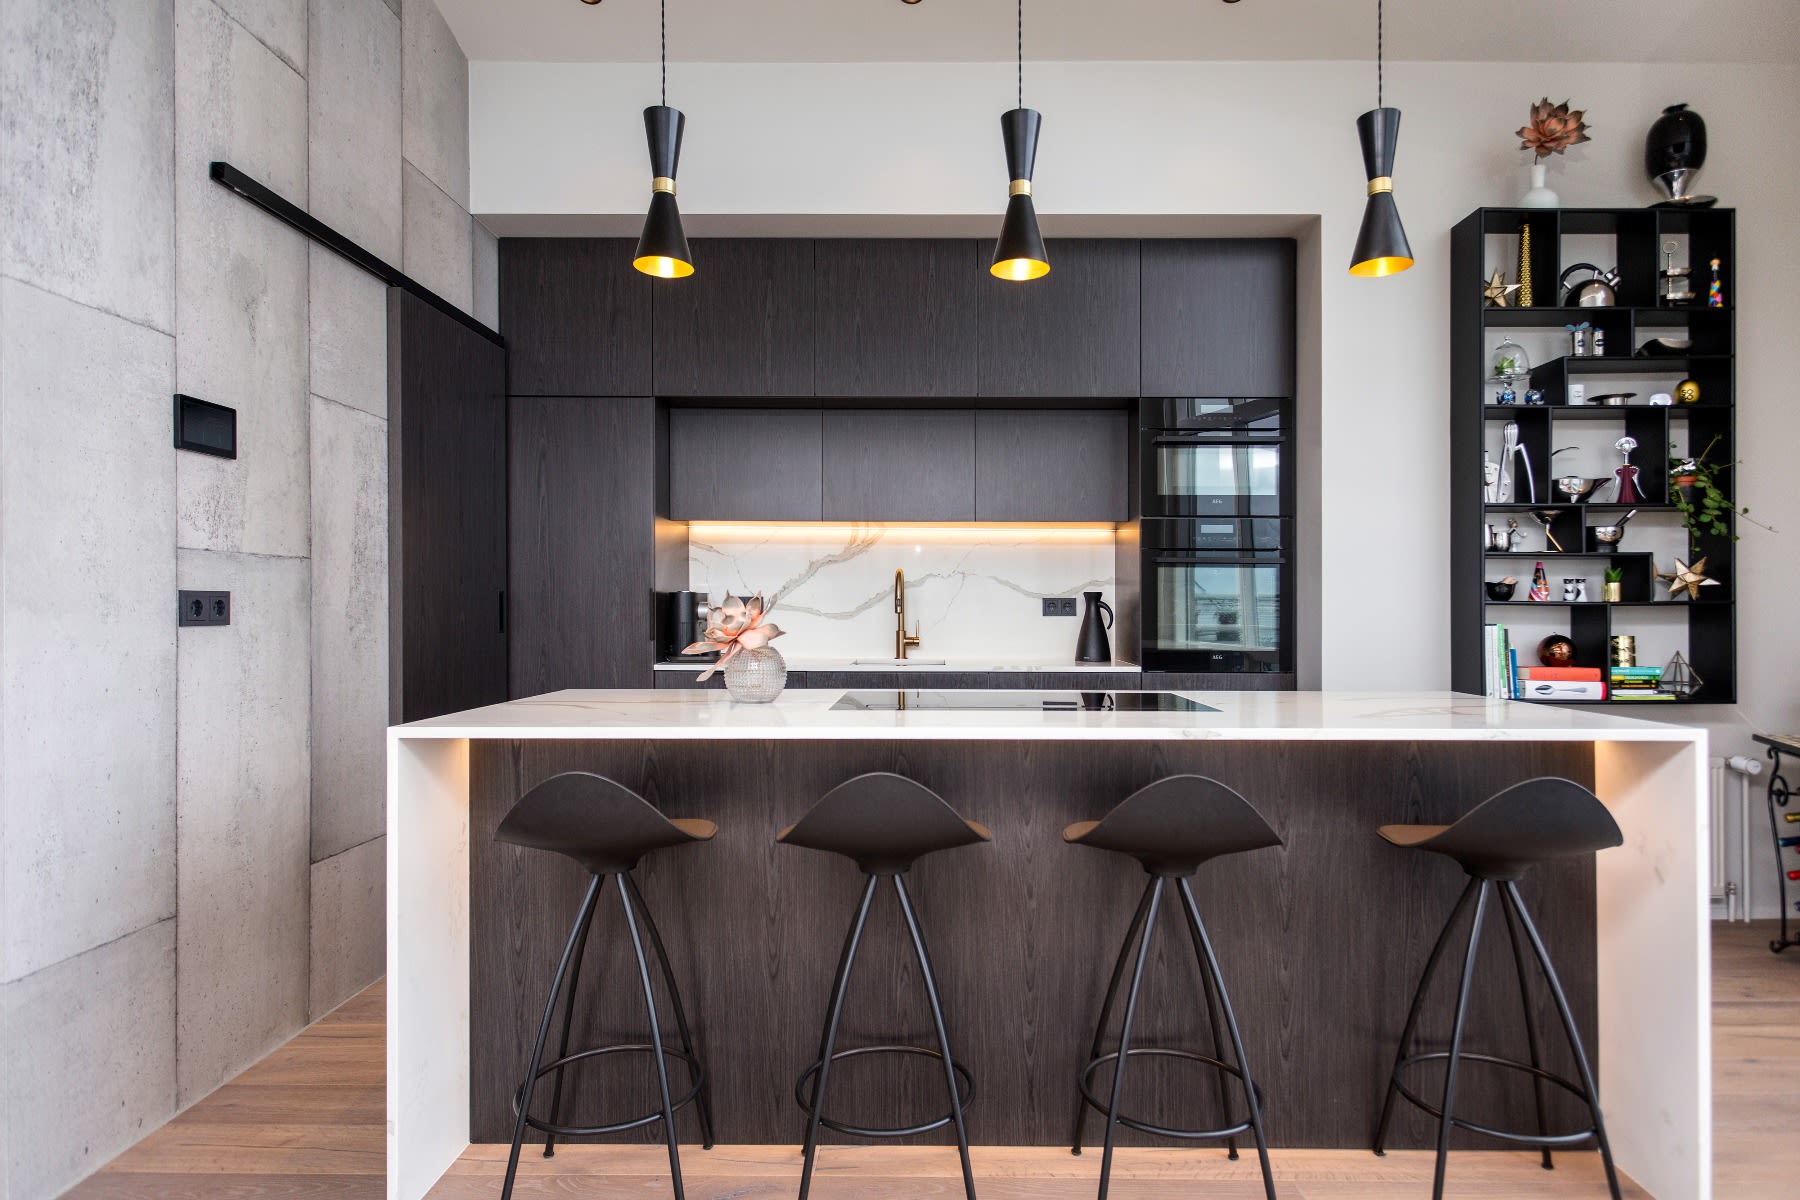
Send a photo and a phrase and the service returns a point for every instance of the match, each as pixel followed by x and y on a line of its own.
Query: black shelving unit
pixel 1488 237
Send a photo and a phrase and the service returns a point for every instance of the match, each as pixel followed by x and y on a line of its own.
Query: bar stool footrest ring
pixel 1100 1106
pixel 1506 1135
pixel 694 1072
pixel 965 1090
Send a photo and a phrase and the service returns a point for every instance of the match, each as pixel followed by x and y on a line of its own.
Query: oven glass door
pixel 1215 613
pixel 1196 476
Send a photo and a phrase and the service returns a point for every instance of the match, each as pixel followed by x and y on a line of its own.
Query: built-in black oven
pixel 1214 457
pixel 1217 596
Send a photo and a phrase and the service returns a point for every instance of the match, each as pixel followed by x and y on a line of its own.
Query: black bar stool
pixel 885 823
pixel 1495 843
pixel 1171 827
pixel 607 829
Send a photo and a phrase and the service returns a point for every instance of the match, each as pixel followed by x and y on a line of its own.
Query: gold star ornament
pixel 1687 579
pixel 1497 290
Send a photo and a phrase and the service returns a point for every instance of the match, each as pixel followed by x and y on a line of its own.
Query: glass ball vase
pixel 756 676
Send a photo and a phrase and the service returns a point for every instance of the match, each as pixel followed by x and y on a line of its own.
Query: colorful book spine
pixel 1563 674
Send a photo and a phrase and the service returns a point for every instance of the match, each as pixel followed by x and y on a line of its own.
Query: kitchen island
pixel 1321 941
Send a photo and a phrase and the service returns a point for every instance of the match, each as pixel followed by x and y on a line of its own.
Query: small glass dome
pixel 1511 363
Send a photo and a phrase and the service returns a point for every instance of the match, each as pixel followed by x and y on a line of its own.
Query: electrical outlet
pixel 1059 606
pixel 204 608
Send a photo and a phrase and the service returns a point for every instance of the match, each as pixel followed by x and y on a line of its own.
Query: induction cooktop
pixel 1021 701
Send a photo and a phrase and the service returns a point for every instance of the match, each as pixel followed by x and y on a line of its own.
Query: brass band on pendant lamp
pixel 1381 246
pixel 662 249
pixel 1019 255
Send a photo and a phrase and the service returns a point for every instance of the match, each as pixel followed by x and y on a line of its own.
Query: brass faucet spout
pixel 903 641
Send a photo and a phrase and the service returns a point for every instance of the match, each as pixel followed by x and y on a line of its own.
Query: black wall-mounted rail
pixel 226 175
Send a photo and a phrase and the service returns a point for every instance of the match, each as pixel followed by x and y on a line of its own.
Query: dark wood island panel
pixel 1321 942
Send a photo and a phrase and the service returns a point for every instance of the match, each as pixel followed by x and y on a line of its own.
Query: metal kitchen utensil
pixel 1598 291
pixel 1577 487
pixel 1608 535
pixel 1510 450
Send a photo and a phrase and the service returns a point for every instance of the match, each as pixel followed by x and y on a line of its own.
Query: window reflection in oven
pixel 1228 469
pixel 1224 606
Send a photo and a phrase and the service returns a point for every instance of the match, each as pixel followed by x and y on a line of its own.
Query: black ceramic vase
pixel 1674 152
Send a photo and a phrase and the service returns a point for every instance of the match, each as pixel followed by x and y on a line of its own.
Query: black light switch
pixel 203 426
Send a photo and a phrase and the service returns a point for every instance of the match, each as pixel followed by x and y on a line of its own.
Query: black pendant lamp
pixel 662 249
pixel 1019 255
pixel 1381 246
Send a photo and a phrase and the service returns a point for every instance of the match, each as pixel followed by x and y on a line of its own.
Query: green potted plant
pixel 1703 504
pixel 1612 590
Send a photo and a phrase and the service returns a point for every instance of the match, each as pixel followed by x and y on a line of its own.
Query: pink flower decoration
pixel 735 625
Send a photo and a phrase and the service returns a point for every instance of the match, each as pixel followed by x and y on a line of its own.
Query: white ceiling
pixel 1676 31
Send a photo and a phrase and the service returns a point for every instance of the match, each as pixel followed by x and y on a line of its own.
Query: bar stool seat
pixel 884 823
pixel 608 829
pixel 1172 827
pixel 1495 844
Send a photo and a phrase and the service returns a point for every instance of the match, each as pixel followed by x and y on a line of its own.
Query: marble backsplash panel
pixel 976 592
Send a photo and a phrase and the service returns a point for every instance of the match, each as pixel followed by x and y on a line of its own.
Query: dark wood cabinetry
pixel 576 316
pixel 1072 333
pixel 584 527
pixel 742 325
pixel 896 317
pixel 1034 465
pixel 893 465
pixel 759 464
pixel 1218 317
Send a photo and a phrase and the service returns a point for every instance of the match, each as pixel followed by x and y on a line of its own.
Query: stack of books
pixel 1638 683
pixel 1502 669
pixel 1561 684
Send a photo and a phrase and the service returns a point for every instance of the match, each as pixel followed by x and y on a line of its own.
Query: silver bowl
pixel 1577 487
pixel 1609 535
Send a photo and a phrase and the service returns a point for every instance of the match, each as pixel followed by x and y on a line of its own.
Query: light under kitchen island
pixel 1322 941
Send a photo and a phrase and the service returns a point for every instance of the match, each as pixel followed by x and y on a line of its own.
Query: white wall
pixel 191 824
pixel 878 146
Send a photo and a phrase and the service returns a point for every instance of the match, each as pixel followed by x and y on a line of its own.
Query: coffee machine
pixel 680 622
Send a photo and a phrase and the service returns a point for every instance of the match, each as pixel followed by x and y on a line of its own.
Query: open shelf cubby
pixel 1562 439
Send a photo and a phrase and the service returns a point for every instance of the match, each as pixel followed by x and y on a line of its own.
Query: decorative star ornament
pixel 1497 290
pixel 1687 579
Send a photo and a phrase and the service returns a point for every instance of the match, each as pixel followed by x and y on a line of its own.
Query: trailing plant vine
pixel 1703 504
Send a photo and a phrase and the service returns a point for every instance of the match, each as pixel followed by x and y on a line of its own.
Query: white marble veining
pixel 975 592
pixel 988 665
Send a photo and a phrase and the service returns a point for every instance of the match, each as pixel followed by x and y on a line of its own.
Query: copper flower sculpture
pixel 733 626
pixel 1553 129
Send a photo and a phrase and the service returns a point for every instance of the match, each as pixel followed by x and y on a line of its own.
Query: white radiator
pixel 1730 795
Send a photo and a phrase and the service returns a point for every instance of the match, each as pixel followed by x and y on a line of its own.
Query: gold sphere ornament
pixel 1687 392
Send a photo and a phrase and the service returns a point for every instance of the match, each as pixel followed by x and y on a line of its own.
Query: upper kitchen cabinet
pixel 899 464
pixel 896 318
pixel 1072 333
pixel 576 317
pixel 1051 465
pixel 742 325
pixel 1218 317
pixel 744 464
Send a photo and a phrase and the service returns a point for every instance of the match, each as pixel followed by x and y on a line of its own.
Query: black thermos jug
pixel 1091 645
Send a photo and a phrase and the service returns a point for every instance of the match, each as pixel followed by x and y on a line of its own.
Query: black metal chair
pixel 1495 843
pixel 885 823
pixel 1172 827
pixel 606 828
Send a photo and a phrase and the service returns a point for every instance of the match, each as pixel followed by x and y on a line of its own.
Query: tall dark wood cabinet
pixel 584 529
pixel 900 465
pixel 738 464
pixel 896 317
pixel 446 513
pixel 742 325
pixel 1218 317
pixel 1072 333
pixel 1055 465
pixel 577 318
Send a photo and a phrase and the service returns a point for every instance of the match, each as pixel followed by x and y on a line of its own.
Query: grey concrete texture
pixel 86 150
pixel 353 122
pixel 242 775
pixel 278 24
pixel 349 924
pixel 348 333
pixel 438 238
pixel 434 81
pixel 87 618
pixel 485 281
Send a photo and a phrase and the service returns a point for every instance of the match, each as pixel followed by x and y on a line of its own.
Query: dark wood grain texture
pixel 1072 333
pixel 1321 942
pixel 576 317
pixel 584 542
pixel 745 464
pixel 896 317
pixel 742 325
pixel 899 465
pixel 1218 317
pixel 447 505
pixel 1051 465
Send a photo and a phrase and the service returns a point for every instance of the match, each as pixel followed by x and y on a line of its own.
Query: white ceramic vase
pixel 1538 196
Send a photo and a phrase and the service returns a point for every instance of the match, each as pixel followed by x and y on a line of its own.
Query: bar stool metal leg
pixel 828 1041
pixel 937 1020
pixel 1412 1016
pixel 1456 1033
pixel 1237 1040
pixel 1106 1006
pixel 562 1050
pixel 543 1033
pixel 656 1045
pixel 1196 936
pixel 1531 1033
pixel 681 1025
pixel 1509 893
pixel 1131 999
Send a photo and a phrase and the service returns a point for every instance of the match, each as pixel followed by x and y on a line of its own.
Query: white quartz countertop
pixel 984 666
pixel 1241 716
